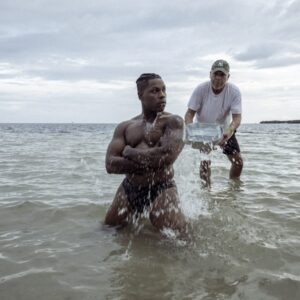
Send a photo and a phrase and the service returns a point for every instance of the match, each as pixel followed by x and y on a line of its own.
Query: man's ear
pixel 140 95
pixel 228 76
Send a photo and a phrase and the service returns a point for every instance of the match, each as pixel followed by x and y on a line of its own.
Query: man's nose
pixel 162 94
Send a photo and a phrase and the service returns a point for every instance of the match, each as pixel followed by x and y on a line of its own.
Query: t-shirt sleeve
pixel 195 99
pixel 236 105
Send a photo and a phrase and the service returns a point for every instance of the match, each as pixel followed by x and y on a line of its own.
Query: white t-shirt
pixel 212 108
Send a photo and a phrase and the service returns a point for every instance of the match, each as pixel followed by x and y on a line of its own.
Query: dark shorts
pixel 140 198
pixel 232 146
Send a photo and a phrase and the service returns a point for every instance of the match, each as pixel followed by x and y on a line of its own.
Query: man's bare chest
pixel 143 133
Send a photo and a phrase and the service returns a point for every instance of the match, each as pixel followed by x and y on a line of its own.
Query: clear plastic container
pixel 201 135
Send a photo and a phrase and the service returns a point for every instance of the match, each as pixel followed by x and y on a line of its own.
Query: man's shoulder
pixel 136 118
pixel 124 124
pixel 172 116
pixel 203 85
pixel 233 88
pixel 132 120
pixel 173 119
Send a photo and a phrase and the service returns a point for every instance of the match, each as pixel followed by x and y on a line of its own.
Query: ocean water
pixel 54 193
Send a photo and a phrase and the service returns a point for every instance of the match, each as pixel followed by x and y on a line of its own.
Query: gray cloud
pixel 72 40
pixel 273 38
pixel 145 30
pixel 270 54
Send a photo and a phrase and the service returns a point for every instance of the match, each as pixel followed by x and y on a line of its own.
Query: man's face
pixel 154 95
pixel 218 80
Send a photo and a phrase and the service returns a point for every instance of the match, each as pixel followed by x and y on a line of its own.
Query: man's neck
pixel 219 91
pixel 150 116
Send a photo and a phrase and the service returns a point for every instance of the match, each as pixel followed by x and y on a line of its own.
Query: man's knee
pixel 236 161
pixel 239 163
pixel 116 215
pixel 168 218
pixel 165 210
pixel 110 218
pixel 236 166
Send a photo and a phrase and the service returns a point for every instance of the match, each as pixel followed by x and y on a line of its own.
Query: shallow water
pixel 54 192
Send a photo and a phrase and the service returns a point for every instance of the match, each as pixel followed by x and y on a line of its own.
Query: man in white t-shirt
pixel 218 101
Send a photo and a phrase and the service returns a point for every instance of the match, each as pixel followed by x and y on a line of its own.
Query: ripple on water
pixel 54 191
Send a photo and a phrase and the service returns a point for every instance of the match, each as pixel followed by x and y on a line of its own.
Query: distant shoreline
pixel 276 122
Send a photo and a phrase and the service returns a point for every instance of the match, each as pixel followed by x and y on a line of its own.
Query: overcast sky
pixel 77 61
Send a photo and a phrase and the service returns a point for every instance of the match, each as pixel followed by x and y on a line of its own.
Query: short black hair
pixel 142 81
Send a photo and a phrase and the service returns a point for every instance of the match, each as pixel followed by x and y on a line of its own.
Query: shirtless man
pixel 144 149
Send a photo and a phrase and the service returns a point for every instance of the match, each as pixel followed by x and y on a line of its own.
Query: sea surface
pixel 54 193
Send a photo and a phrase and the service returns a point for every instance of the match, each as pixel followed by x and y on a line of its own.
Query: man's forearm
pixel 121 165
pixel 157 156
pixel 229 131
pixel 189 117
pixel 236 122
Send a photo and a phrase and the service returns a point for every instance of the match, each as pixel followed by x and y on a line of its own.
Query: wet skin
pixel 144 149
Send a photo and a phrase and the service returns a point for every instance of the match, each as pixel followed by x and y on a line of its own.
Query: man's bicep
pixel 173 135
pixel 196 99
pixel 117 143
pixel 115 147
pixel 176 127
pixel 236 105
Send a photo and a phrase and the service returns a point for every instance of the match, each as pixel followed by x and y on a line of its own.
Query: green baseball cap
pixel 220 65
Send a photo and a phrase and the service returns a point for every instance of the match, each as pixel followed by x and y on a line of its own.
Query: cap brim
pixel 220 69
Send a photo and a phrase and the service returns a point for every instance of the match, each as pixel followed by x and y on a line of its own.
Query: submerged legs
pixel 236 166
pixel 205 172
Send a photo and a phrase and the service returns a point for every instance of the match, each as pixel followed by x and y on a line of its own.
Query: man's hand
pixel 127 152
pixel 227 134
pixel 205 148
